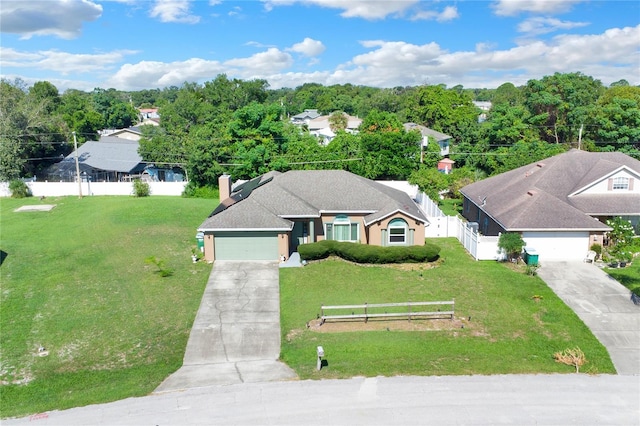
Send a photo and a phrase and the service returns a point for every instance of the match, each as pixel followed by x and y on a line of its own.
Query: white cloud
pixel 178 11
pixel 62 62
pixel 538 25
pixel 515 7
pixel 148 74
pixel 270 61
pixel 366 9
pixel 308 47
pixel 449 13
pixel 59 18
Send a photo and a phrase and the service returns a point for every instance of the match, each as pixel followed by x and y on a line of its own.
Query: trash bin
pixel 200 240
pixel 530 256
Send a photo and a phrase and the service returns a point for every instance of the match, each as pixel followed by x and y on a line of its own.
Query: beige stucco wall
pixel 375 229
pixel 283 244
pixel 372 234
pixel 354 218
pixel 209 252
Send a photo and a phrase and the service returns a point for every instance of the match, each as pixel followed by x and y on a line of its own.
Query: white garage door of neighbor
pixel 246 246
pixel 558 245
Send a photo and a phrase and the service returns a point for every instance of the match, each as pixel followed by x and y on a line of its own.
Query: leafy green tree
pixel 560 104
pixel 616 120
pixel 507 94
pixel 77 111
pixel 32 136
pixel 338 121
pixel 446 111
pixel 430 181
pixel 388 151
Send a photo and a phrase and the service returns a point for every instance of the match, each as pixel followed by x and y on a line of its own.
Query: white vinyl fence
pixel 59 189
pixel 440 226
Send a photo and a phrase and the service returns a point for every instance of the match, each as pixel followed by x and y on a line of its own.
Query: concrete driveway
pixel 603 304
pixel 236 334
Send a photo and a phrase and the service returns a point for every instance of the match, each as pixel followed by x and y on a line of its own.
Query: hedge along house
pixel 267 217
pixel 560 204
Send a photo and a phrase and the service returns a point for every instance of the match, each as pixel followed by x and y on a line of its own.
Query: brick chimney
pixel 224 185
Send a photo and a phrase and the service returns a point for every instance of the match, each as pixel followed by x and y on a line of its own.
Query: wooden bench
pixel 371 310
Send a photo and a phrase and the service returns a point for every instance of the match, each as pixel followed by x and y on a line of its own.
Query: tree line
pixel 242 127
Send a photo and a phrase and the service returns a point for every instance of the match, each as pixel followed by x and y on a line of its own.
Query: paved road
pixel 562 399
pixel 603 304
pixel 236 334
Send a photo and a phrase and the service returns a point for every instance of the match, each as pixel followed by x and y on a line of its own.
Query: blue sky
pixel 134 45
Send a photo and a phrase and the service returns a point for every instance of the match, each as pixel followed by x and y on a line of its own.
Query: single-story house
pixel 132 133
pixel 111 159
pixel 560 204
pixel 266 218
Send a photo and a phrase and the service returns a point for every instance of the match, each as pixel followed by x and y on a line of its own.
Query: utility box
pixel 200 240
pixel 530 256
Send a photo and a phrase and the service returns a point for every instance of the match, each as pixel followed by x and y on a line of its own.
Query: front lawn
pixel 75 282
pixel 628 277
pixel 506 330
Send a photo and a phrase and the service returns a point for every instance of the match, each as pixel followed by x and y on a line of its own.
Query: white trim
pixel 244 229
pixel 404 227
pixel 347 212
pixel 603 178
pixel 423 221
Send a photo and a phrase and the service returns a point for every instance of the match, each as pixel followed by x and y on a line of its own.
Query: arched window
pixel 397 231
pixel 342 229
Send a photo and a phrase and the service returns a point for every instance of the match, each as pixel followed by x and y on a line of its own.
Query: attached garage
pixel 558 245
pixel 257 245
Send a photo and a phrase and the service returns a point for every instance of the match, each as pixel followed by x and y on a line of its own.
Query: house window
pixel 620 183
pixel 397 231
pixel 342 229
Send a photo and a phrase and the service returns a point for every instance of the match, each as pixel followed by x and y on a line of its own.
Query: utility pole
pixel 75 145
pixel 580 137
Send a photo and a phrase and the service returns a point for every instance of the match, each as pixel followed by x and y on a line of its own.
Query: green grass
pixel 451 206
pixel 509 332
pixel 75 281
pixel 628 277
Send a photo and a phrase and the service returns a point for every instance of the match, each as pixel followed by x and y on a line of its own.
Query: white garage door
pixel 246 245
pixel 558 245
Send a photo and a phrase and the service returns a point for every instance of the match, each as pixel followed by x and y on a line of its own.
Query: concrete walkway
pixel 236 334
pixel 603 304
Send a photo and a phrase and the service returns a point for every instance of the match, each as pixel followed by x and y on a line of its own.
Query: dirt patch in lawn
pixel 433 324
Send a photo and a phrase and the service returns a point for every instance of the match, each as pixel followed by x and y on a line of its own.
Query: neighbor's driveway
pixel 236 334
pixel 603 304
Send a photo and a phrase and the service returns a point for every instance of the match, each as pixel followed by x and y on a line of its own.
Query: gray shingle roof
pixel 308 193
pixel 425 131
pixel 110 154
pixel 546 194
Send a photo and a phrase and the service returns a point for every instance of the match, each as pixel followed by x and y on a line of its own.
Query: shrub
pixel 511 243
pixel 363 253
pixel 598 249
pixel 19 189
pixel 141 189
pixel 193 191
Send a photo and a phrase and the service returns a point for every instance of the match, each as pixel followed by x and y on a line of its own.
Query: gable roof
pixel 110 153
pixel 308 194
pixel 546 194
pixel 425 131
